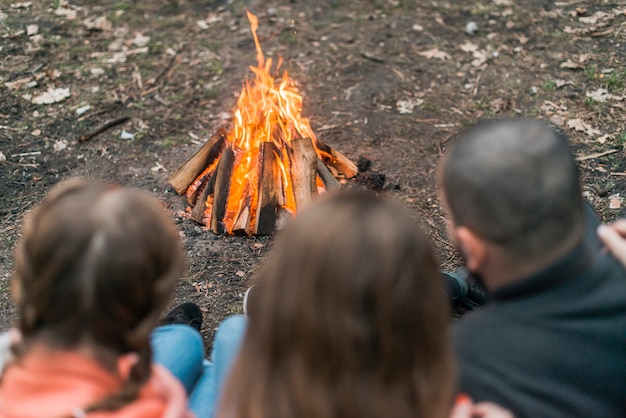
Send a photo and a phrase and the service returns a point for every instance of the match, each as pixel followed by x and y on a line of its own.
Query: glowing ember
pixel 267 120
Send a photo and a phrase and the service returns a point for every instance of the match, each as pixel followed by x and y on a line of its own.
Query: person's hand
pixel 465 408
pixel 614 237
pixel 172 391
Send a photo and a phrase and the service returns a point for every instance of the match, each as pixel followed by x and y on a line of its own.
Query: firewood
pixel 335 159
pixel 242 223
pixel 327 177
pixel 220 192
pixel 191 168
pixel 204 181
pixel 303 170
pixel 197 214
pixel 270 190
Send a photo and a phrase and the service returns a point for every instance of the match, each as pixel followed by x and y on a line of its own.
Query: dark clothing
pixel 553 344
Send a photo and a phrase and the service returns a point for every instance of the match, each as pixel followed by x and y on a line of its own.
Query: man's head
pixel 512 186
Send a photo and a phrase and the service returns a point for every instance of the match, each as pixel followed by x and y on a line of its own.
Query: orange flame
pixel 265 112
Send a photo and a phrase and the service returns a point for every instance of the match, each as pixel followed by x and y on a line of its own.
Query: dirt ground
pixel 388 80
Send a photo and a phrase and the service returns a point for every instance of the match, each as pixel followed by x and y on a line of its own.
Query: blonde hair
pixel 352 322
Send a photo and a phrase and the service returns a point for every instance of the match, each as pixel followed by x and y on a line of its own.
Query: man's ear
pixel 473 249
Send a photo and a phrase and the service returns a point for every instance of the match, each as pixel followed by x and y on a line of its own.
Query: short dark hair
pixel 515 183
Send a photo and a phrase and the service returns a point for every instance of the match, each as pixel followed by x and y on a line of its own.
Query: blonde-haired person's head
pixel 350 320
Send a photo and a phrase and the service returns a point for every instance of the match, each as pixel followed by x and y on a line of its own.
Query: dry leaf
pixel 126 135
pixel 60 145
pixel 17 84
pixel 213 18
pixel 562 83
pixel 32 30
pixel 68 13
pixel 571 65
pixel 434 53
pixel 36 132
pixel 468 47
pixel 140 40
pixel 407 106
pixel 158 167
pixel 580 126
pixel 23 5
pixel 82 109
pixel 602 95
pixel 615 201
pixel 240 273
pixel 2 156
pixel 52 96
pixel 480 57
pixel 471 28
pixel 98 23
pixel 119 57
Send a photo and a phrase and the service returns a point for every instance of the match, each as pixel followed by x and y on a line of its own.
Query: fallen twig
pixel 477 82
pixel 372 57
pixel 26 154
pixel 110 108
pixel 596 155
pixel 167 71
pixel 107 125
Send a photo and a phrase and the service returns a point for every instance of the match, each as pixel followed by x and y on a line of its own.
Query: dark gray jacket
pixel 554 344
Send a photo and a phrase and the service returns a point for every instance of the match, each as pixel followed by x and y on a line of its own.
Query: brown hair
pixel 353 320
pixel 96 264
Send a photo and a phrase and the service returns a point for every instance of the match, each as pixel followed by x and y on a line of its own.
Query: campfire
pixel 267 166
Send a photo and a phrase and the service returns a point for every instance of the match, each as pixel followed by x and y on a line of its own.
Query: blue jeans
pixel 181 350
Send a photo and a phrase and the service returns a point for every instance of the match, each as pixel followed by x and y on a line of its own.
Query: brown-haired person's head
pixel 351 320
pixel 95 266
pixel 512 191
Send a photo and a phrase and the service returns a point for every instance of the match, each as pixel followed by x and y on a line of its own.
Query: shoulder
pixel 163 396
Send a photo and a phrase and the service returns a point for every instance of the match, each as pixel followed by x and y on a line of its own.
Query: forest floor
pixel 388 80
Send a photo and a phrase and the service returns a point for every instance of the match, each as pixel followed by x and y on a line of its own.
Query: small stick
pixel 99 112
pixel 107 125
pixel 596 155
pixel 167 70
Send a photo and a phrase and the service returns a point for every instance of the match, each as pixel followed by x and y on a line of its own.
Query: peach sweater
pixel 60 384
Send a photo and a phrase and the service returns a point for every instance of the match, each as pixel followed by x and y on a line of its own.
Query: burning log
pixel 266 167
pixel 303 170
pixel 336 160
pixel 220 193
pixel 327 177
pixel 271 191
pixel 203 158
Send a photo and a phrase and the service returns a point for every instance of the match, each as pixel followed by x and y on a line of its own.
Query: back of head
pixel 96 265
pixel 514 182
pixel 352 319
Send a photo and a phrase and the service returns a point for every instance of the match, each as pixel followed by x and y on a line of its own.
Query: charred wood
pixel 191 168
pixel 220 193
